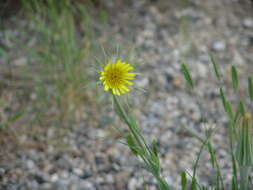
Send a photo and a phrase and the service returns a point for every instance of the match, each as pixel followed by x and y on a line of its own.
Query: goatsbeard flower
pixel 116 77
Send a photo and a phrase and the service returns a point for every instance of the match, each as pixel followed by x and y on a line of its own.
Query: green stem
pixel 126 119
pixel 197 160
pixel 231 125
pixel 142 143
pixel 244 174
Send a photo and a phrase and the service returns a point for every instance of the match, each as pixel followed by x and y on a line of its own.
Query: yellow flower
pixel 116 77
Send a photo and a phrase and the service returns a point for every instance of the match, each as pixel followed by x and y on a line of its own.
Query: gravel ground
pixel 165 35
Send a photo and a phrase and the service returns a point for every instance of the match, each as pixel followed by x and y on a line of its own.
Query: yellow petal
pixel 113 91
pixel 128 82
pixel 107 66
pixel 117 91
pixel 129 77
pixel 131 74
pixel 106 88
pixel 129 67
pixel 123 89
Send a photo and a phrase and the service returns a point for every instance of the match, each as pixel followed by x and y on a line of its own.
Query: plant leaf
pixel 215 67
pixel 15 117
pixel 250 88
pixel 234 77
pixel 131 144
pixel 187 75
pixel 223 99
pixel 183 180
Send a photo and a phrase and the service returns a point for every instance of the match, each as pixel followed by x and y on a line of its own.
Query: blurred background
pixel 58 130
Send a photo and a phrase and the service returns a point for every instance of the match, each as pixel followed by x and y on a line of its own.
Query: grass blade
pixel 131 144
pixel 155 147
pixel 15 117
pixel 234 77
pixel 241 107
pixel 193 184
pixel 187 75
pixel 210 150
pixel 223 99
pixel 250 88
pixel 183 180
pixel 215 67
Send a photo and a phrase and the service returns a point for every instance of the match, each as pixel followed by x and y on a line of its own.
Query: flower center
pixel 115 77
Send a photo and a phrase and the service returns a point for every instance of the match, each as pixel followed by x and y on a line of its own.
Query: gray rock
pixel 78 171
pixel 133 183
pixel 219 45
pixel 63 182
pixel 248 22
pixel 86 185
pixel 30 164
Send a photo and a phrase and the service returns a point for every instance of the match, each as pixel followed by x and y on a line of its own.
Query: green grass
pixel 65 45
pixel 61 55
pixel 239 130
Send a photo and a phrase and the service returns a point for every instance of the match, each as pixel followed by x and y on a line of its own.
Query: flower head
pixel 116 77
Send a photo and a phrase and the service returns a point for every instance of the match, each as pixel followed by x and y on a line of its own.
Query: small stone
pixel 87 185
pixel 33 184
pixel 99 180
pixel 172 103
pixel 219 46
pixel 169 78
pixel 133 183
pixel 201 69
pixel 248 22
pixel 63 182
pixel 2 171
pixel 46 186
pixel 109 179
pixel 120 179
pixel 177 82
pixel 54 177
pixel 20 62
pixel 64 174
pixel 30 164
pixel 78 171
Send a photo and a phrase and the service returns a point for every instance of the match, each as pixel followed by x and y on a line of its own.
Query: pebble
pixel 54 177
pixel 201 69
pixel 86 185
pixel 2 171
pixel 248 22
pixel 20 61
pixel 133 183
pixel 219 45
pixel 78 171
pixel 30 164
pixel 63 182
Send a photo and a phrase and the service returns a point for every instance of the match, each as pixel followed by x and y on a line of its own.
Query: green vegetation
pixel 239 136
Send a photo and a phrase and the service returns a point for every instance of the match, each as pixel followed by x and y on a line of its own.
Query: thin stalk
pixel 197 160
pixel 126 119
pixel 218 168
pixel 231 127
pixel 244 174
pixel 143 145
